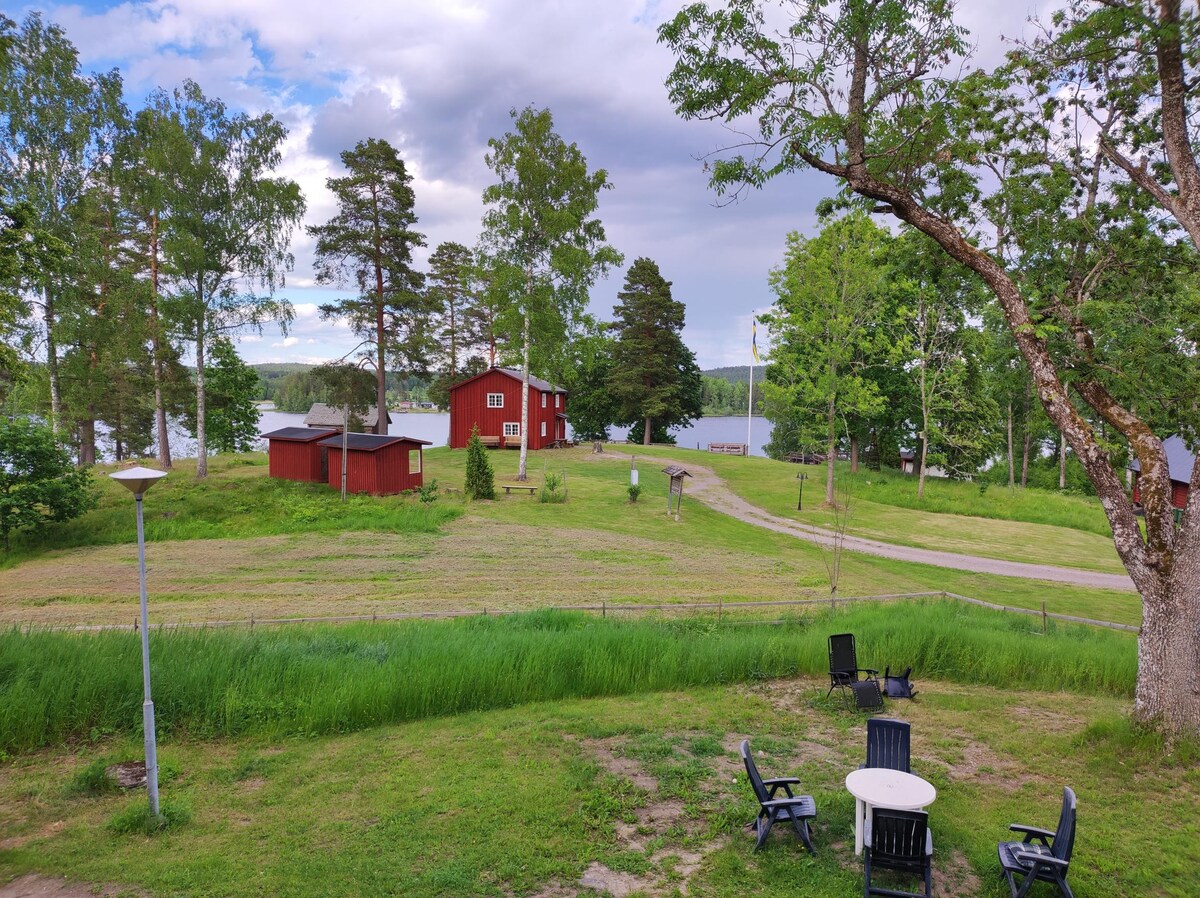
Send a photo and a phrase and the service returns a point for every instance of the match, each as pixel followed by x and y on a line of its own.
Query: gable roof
pixel 1180 460
pixel 298 434
pixel 369 442
pixel 536 382
pixel 322 415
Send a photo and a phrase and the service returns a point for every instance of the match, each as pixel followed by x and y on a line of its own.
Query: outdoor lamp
pixel 137 481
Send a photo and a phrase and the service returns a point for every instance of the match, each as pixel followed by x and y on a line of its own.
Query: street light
pixel 800 502
pixel 137 481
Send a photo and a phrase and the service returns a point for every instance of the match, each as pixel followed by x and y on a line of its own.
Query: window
pixel 414 461
pixel 556 398
pixel 512 428
pixel 543 400
pixel 495 400
pixel 543 428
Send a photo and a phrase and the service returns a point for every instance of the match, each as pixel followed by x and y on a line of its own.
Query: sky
pixel 437 79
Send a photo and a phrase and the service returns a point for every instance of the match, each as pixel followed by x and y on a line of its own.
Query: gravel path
pixel 710 489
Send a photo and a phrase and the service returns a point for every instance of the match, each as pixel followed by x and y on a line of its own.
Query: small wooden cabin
pixel 1180 461
pixel 379 464
pixel 330 417
pixel 295 453
pixel 491 401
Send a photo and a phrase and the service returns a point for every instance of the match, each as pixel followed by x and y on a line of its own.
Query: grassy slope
pixel 510 802
pixel 1035 526
pixel 387 556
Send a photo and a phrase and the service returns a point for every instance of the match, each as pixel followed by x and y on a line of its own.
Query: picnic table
pixel 880 787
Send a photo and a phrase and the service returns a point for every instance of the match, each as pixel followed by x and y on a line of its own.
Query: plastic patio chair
pixel 899 840
pixel 888 744
pixel 798 809
pixel 844 669
pixel 1042 855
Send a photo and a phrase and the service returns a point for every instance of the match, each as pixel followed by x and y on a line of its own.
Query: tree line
pixel 132 238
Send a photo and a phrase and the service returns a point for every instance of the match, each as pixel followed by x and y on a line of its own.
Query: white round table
pixel 878 787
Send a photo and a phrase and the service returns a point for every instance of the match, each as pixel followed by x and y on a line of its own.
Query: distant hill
pixel 735 374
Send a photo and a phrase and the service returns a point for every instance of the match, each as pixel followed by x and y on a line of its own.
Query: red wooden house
pixel 294 453
pixel 491 401
pixel 1180 460
pixel 379 464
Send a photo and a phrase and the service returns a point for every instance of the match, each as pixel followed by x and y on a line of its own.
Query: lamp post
pixel 800 502
pixel 137 481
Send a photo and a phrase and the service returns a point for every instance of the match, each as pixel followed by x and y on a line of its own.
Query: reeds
pixel 60 687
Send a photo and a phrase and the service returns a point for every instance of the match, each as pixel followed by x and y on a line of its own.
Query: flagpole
pixel 750 406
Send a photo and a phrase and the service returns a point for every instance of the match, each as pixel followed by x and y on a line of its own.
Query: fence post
pixel 1043 618
pixel 603 608
pixel 720 608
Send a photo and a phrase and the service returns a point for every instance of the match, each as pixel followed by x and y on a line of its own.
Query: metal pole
pixel 147 703
pixel 749 407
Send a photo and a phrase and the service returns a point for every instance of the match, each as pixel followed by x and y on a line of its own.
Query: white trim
pixel 495 400
pixel 411 469
pixel 556 395
pixel 543 400
pixel 543 429
pixel 516 428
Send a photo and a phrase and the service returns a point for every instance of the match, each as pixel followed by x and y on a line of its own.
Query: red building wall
pixel 294 460
pixel 382 472
pixel 1179 491
pixel 468 408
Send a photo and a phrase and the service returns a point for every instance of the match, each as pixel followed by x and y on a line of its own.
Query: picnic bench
pixel 728 448
pixel 509 487
pixel 490 442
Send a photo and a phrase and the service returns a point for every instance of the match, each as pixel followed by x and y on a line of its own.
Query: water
pixel 717 429
pixel 431 426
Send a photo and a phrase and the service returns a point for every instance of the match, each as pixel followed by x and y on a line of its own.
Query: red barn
pixel 379 464
pixel 492 402
pixel 1180 460
pixel 293 453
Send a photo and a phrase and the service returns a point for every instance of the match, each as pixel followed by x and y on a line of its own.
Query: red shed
pixel 491 401
pixel 379 464
pixel 293 453
pixel 1180 460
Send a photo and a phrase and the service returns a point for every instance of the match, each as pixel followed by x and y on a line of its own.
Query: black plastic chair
pixel 844 670
pixel 898 685
pixel 899 840
pixel 799 809
pixel 888 744
pixel 1043 855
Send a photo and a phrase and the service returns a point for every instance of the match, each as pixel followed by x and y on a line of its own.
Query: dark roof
pixel 675 471
pixel 536 382
pixel 322 415
pixel 369 442
pixel 907 455
pixel 1180 459
pixel 298 434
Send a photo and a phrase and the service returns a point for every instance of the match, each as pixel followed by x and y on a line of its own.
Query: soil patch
pixel 33 885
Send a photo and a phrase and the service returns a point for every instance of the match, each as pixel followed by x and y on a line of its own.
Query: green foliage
pixel 307 680
pixel 480 482
pixel 370 241
pixel 428 492
pixel 93 780
pixel 458 329
pixel 551 485
pixel 135 818
pixel 592 407
pixel 634 490
pixel 231 410
pixel 39 484
pixel 654 377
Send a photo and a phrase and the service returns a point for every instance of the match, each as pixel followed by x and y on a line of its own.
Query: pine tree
pixel 480 483
pixel 654 377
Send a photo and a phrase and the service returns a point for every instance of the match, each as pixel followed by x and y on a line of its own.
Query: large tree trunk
pixel 201 440
pixel 646 433
pixel 830 449
pixel 853 454
pixel 87 439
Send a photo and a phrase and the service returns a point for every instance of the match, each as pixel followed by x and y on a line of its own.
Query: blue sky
pixel 437 78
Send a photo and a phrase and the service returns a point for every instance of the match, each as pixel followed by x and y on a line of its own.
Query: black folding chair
pixel 888 744
pixel 1042 855
pixel 798 809
pixel 899 840
pixel 844 671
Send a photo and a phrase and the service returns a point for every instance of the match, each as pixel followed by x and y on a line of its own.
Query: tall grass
pixel 59 687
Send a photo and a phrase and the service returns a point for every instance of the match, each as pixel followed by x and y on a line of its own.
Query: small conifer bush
pixel 481 483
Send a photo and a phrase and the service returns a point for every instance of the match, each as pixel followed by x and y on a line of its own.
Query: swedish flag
pixel 754 342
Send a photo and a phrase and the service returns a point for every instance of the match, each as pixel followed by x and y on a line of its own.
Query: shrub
pixel 92 780
pixel 550 489
pixel 481 482
pixel 428 492
pixel 635 490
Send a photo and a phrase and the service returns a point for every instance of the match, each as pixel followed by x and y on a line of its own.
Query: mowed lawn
pixel 642 794
pixel 241 545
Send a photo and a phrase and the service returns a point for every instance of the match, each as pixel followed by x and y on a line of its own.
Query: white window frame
pixel 543 400
pixel 417 469
pixel 516 428
pixel 495 400
pixel 543 429
pixel 556 396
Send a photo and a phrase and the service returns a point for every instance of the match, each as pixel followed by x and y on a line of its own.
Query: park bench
pixel 509 487
pixel 490 442
pixel 728 448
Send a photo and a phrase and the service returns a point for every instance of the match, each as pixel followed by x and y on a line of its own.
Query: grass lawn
pixel 240 544
pixel 1030 525
pixel 645 790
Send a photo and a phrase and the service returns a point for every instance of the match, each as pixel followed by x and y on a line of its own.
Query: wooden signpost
pixel 675 493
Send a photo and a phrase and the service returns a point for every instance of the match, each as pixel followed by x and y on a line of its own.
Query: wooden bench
pixel 490 442
pixel 509 487
pixel 728 448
